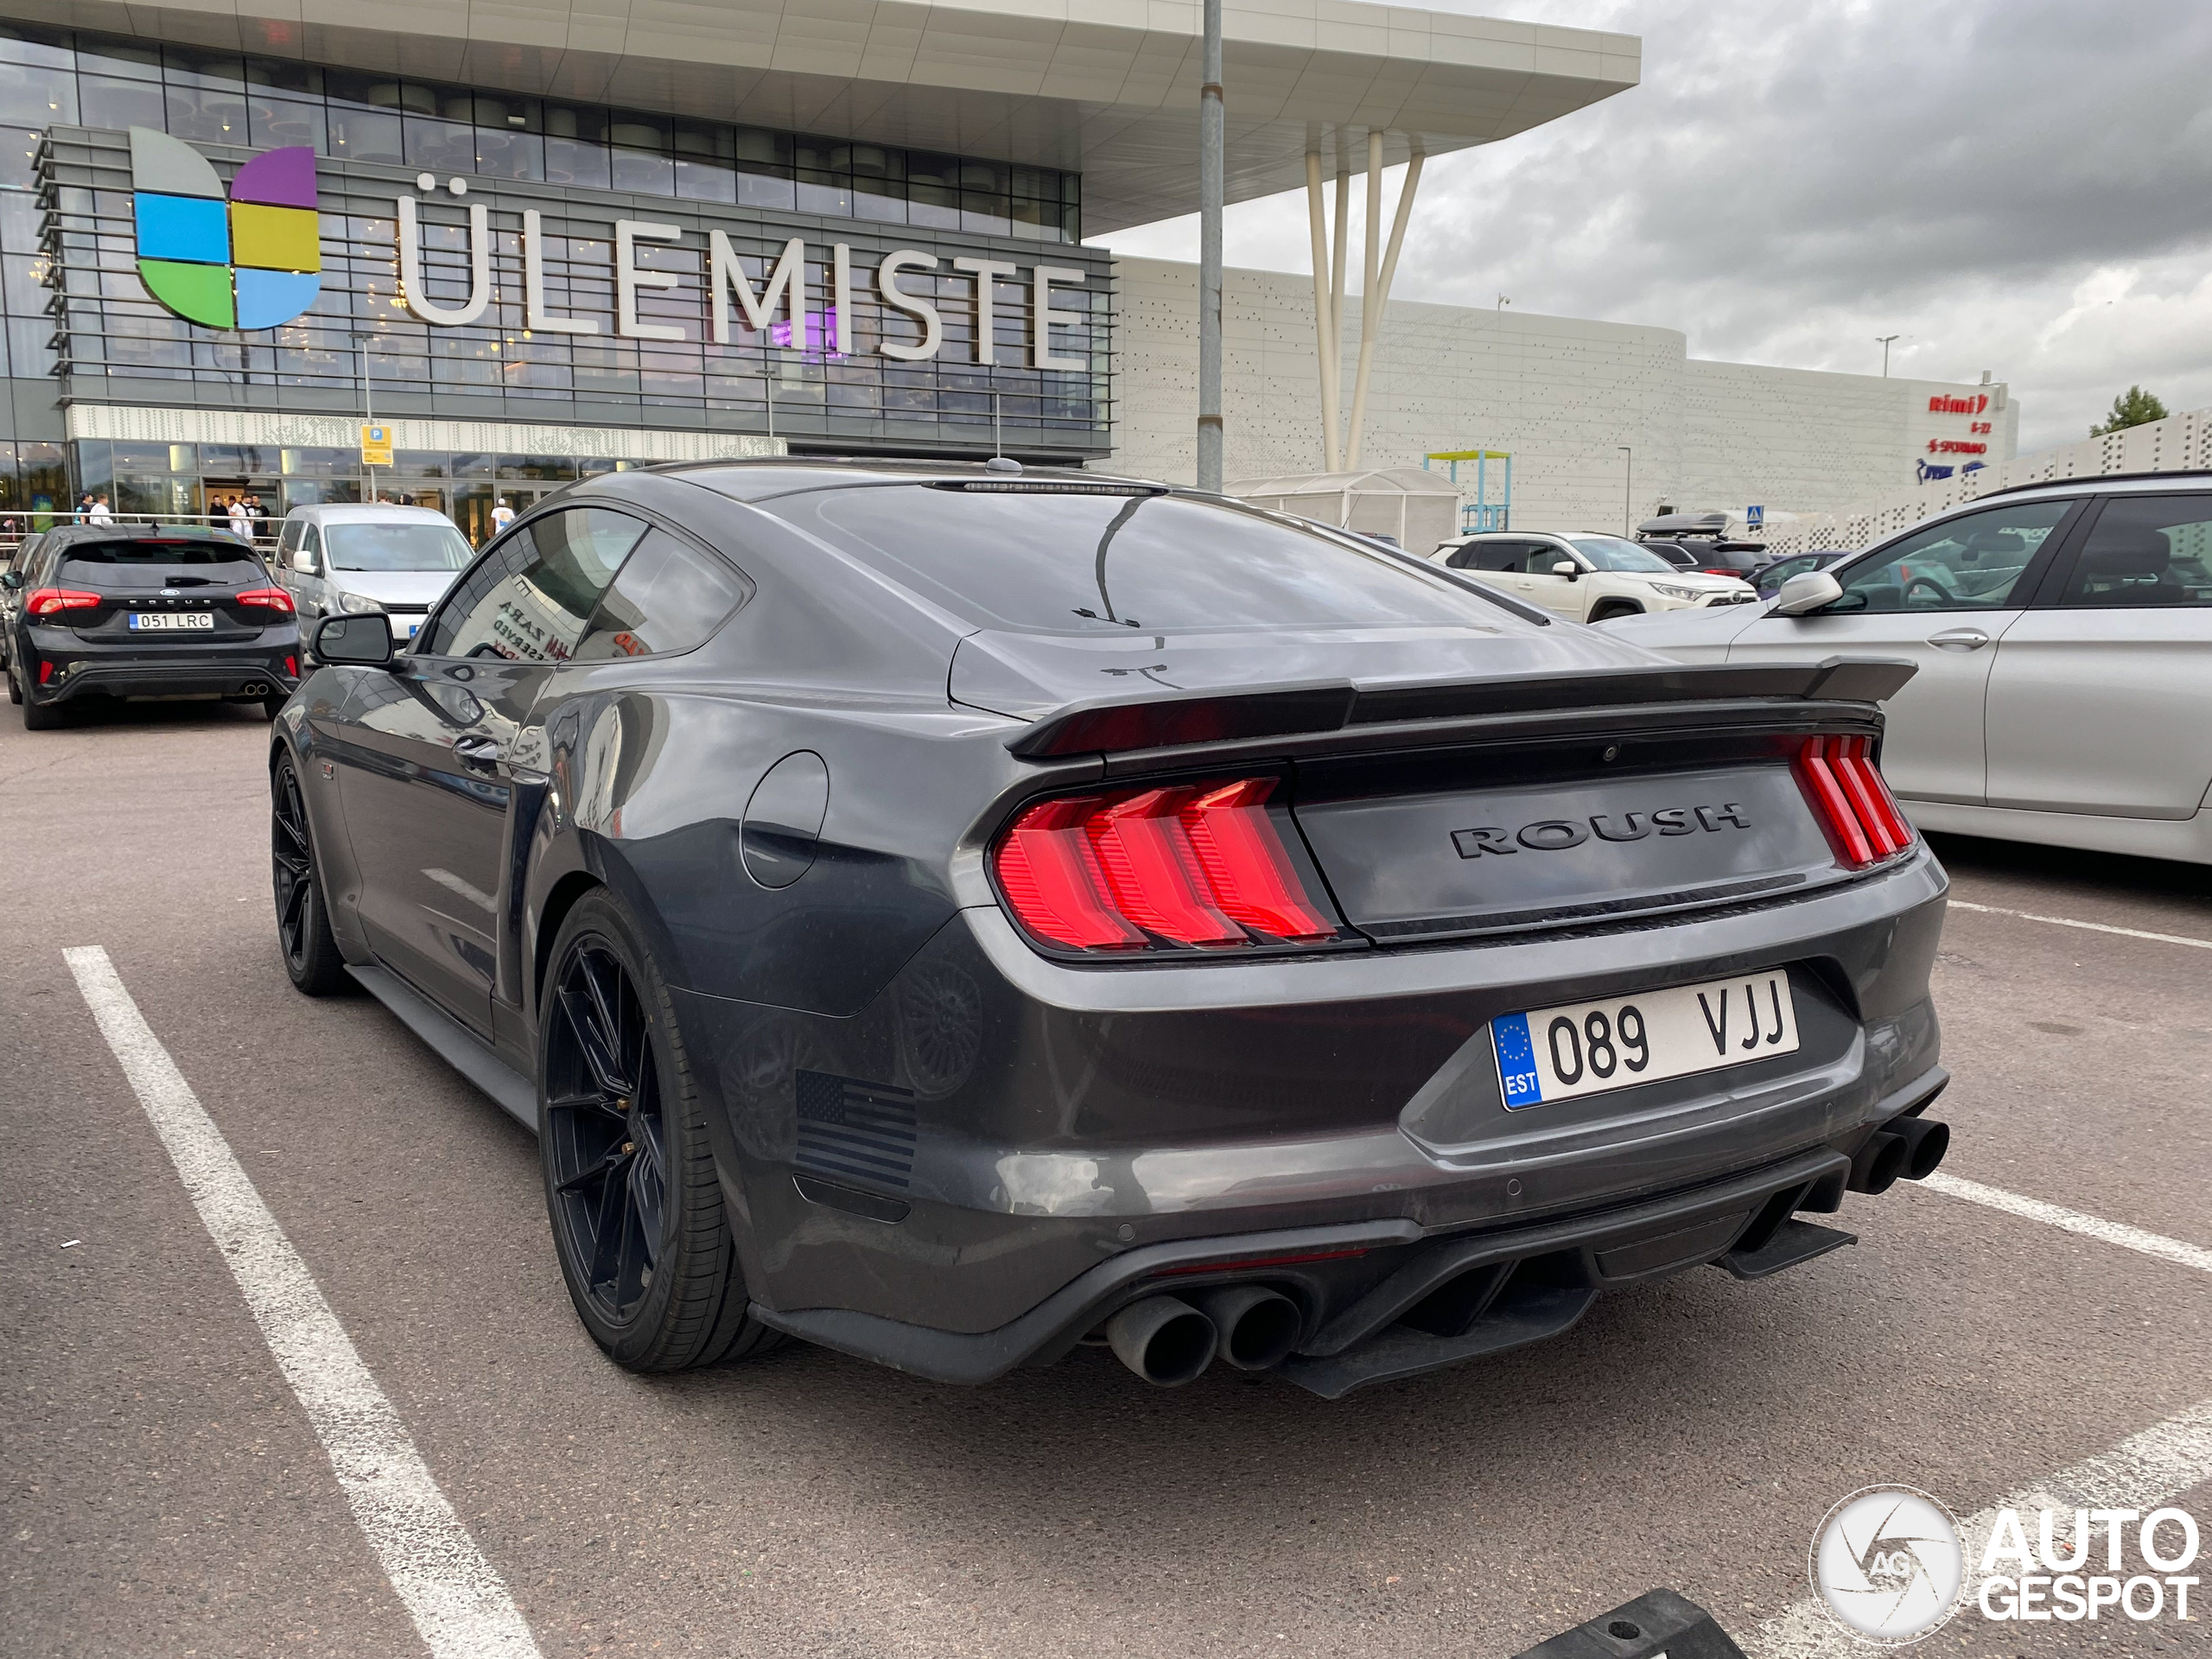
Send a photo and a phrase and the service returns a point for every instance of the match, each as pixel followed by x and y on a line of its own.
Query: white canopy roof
pixel 1106 87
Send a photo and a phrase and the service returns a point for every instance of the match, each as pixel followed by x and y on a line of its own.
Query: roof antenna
pixel 1000 461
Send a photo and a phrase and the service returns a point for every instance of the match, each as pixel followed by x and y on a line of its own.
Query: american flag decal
pixel 849 1129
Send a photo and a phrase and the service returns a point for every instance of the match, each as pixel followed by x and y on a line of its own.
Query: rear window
pixel 1062 561
pixel 175 555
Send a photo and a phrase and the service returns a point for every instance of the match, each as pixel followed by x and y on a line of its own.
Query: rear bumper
pixel 1381 1299
pixel 245 669
pixel 964 1176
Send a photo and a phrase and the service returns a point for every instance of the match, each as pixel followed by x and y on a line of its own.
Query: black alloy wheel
pixel 606 1143
pixel 630 1185
pixel 311 958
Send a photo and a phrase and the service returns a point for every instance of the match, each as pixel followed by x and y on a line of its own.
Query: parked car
pixel 1586 576
pixel 350 560
pixel 1715 558
pixel 2063 637
pixel 1770 576
pixel 141 610
pixel 951 914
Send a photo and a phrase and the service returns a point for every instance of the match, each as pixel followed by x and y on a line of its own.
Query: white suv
pixel 1586 576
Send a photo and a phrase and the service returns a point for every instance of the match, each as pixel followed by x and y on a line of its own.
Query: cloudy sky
pixel 2023 186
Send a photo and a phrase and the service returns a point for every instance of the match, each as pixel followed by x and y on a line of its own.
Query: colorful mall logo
pixel 248 258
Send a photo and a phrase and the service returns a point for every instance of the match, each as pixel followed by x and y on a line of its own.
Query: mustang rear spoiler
pixel 1113 725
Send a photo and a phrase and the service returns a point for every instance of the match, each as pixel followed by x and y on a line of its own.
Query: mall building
pixel 550 237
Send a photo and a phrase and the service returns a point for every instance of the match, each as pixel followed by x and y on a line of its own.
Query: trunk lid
pixel 1435 847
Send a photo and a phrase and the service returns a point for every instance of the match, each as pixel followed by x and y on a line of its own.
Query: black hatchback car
pixel 953 914
pixel 143 611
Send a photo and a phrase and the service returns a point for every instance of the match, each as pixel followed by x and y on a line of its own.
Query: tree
pixel 2136 407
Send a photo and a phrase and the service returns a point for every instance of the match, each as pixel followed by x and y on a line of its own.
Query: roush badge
pixel 1557 835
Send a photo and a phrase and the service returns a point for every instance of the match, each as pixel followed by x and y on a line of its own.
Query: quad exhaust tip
pixel 1163 1339
pixel 1925 1143
pixel 1256 1329
pixel 1875 1165
pixel 1904 1148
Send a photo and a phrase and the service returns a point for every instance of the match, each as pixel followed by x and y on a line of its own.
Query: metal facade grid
pixel 116 344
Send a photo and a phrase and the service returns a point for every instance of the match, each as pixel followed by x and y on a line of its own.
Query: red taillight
pixel 273 599
pixel 46 673
pixel 1245 864
pixel 291 668
pixel 1853 804
pixel 1179 866
pixel 46 600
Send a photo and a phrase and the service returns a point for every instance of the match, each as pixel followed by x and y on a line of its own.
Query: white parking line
pixel 2110 1232
pixel 2142 1472
pixel 458 1600
pixel 2086 927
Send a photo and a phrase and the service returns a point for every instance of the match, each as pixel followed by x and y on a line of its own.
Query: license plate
pixel 1590 1048
pixel 166 621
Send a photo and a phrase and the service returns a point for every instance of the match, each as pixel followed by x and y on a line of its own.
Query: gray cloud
pixel 2024 187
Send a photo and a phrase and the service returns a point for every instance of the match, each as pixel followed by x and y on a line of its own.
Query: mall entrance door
pixel 474 504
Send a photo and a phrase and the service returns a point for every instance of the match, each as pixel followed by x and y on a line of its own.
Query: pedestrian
pixel 97 512
pixel 85 505
pixel 503 515
pixel 241 520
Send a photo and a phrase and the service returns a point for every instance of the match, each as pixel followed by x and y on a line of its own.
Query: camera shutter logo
pixel 1887 1564
pixel 247 257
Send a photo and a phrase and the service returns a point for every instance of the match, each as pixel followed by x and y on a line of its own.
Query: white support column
pixel 1325 344
pixel 1337 284
pixel 1379 277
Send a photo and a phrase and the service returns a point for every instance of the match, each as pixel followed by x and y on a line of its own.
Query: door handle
pixel 1960 639
pixel 480 752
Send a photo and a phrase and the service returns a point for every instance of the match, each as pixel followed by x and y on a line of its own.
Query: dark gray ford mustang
pixel 954 913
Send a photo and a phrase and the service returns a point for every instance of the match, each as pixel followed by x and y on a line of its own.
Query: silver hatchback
pixel 355 560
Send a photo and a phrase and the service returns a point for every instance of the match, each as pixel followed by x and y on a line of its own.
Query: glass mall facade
pixel 633 330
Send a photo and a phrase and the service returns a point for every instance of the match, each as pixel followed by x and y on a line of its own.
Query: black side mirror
pixel 11 580
pixel 365 641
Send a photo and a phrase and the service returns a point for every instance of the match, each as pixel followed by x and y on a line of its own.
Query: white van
pixel 339 559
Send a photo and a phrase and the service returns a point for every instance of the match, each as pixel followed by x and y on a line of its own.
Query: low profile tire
pixel 303 937
pixel 14 686
pixel 630 1182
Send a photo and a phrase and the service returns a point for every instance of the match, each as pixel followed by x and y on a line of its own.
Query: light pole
pixel 368 415
pixel 1210 198
pixel 1628 485
pixel 1883 340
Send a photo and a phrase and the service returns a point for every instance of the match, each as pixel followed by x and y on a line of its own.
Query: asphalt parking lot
pixel 166 1494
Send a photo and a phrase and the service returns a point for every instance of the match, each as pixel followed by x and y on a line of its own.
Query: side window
pixel 290 538
pixel 1971 564
pixel 1499 555
pixel 311 544
pixel 528 598
pixel 667 598
pixel 1543 554
pixel 2145 550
